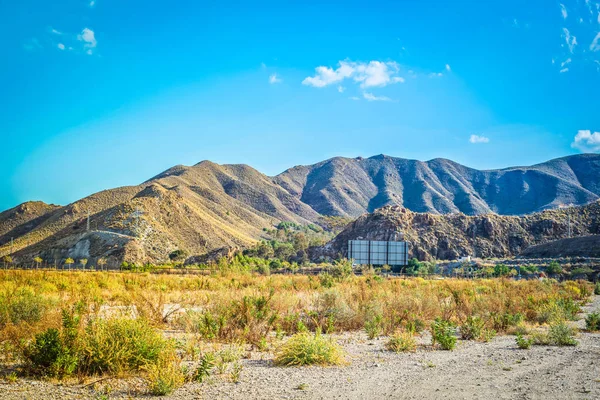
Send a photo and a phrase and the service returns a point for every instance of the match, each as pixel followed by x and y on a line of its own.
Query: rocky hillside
pixel 207 206
pixel 584 246
pixel 448 237
pixel 354 186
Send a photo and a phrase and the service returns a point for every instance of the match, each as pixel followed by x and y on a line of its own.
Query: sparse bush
pixel 472 328
pixel 307 349
pixel 597 289
pixel 21 306
pixel 523 342
pixel 503 321
pixel 442 333
pixel 401 341
pixel 207 363
pixel 541 339
pixel 561 334
pixel 164 376
pixel 592 321
pixel 374 326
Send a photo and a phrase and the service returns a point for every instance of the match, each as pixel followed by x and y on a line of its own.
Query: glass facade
pixel 378 252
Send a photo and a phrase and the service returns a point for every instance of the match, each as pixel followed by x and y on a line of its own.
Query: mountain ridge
pixel 207 206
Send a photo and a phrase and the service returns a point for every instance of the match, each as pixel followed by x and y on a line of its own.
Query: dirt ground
pixel 495 370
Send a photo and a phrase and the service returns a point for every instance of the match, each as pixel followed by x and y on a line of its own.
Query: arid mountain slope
pixel 208 206
pixel 195 209
pixel 448 237
pixel 354 186
pixel 584 246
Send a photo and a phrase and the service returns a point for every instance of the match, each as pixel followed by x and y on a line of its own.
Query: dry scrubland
pixel 101 334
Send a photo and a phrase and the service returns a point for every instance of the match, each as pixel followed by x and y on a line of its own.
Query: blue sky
pixel 105 93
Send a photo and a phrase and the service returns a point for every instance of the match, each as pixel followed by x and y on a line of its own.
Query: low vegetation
pixel 307 349
pixel 63 324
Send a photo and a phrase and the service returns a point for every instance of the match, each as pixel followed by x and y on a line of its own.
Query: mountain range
pixel 208 206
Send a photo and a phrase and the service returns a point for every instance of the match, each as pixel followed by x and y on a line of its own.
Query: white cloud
pixel 586 141
pixel 562 71
pixel 355 98
pixel 274 79
pixel 61 46
pixel 92 3
pixel 88 37
pixel 595 46
pixel 371 74
pixel 54 31
pixel 571 41
pixel 479 139
pixel 341 89
pixel 563 11
pixel 372 97
pixel 435 75
pixel 448 68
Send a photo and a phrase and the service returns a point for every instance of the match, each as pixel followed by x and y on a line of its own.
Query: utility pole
pixel 88 220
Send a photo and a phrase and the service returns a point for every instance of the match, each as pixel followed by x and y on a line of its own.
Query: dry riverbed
pixel 495 370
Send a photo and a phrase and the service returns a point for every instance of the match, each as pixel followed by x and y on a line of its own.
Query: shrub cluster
pixel 308 349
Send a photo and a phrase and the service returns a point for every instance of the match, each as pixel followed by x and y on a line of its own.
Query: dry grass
pixel 255 310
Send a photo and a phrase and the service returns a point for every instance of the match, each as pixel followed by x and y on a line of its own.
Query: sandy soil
pixel 495 370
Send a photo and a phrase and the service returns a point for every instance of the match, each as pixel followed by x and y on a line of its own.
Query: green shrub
pixel 597 288
pixel 50 354
pixel 502 322
pixel 119 344
pixel 487 335
pixel 592 322
pixel 415 325
pixel 561 334
pixel 442 333
pixel 341 269
pixel 523 342
pixel 207 363
pixel 541 339
pixel 54 352
pixel 472 328
pixel 401 341
pixel 307 349
pixel 164 376
pixel 374 326
pixel 21 306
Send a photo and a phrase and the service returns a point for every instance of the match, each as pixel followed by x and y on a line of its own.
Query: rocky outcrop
pixel 448 237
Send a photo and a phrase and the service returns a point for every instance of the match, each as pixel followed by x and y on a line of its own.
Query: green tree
pixel 300 242
pixel 554 268
pixel 501 270
pixel 101 263
pixel 68 262
pixel 284 251
pixel 83 262
pixel 38 260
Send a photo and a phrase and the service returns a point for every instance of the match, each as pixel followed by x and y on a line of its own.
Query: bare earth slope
pixel 448 237
pixel 353 186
